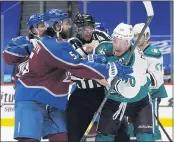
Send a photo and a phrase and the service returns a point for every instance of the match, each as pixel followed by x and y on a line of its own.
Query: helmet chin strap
pixel 57 32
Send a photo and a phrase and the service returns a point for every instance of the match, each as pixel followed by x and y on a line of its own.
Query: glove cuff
pixel 90 58
pixel 112 69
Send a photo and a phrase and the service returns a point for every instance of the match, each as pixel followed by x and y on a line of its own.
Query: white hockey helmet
pixel 123 31
pixel 138 28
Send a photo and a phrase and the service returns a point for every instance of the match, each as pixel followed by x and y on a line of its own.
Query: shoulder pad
pixel 19 41
pixel 152 52
pixel 105 48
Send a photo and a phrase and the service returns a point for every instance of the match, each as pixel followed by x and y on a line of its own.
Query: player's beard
pixel 63 35
pixel 50 32
pixel 30 36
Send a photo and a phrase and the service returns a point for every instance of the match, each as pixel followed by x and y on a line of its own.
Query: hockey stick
pixel 150 13
pixel 167 135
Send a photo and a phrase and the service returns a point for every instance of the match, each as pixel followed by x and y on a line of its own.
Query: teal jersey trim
pixel 160 92
pixel 152 52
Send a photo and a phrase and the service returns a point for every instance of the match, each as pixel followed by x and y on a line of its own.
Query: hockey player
pixel 62 27
pixel 88 95
pixel 36 28
pixel 101 27
pixel 155 69
pixel 129 97
pixel 52 116
pixel 44 82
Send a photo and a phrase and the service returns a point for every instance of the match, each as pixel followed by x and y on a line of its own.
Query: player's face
pixel 141 41
pixel 120 46
pixel 39 29
pixel 86 32
pixel 66 25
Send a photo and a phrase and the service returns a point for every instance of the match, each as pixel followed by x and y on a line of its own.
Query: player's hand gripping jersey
pixel 137 87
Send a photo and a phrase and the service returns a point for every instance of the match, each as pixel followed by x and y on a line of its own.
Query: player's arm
pixel 16 54
pixel 17 50
pixel 67 58
pixel 102 82
pixel 21 40
pixel 64 56
pixel 155 71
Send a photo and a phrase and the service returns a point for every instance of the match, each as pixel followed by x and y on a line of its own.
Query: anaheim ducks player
pixel 129 97
pixel 155 69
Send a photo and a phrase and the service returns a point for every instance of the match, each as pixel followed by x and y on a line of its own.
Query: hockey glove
pixel 116 69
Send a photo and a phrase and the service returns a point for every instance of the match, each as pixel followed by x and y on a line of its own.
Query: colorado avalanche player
pixel 36 28
pixel 24 46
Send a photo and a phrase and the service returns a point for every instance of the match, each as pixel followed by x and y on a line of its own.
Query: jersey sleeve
pixel 19 41
pixel 155 66
pixel 64 56
pixel 156 72
pixel 14 54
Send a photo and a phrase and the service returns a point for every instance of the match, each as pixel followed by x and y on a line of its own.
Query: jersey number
pixel 159 67
pixel 73 55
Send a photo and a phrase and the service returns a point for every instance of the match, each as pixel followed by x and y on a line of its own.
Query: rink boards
pixel 7 107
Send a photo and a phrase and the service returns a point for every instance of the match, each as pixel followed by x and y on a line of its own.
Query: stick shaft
pixel 167 135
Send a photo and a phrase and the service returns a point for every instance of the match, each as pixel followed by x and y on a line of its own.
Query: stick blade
pixel 149 8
